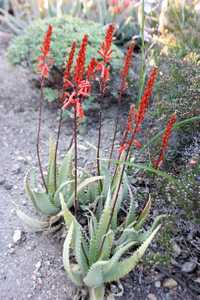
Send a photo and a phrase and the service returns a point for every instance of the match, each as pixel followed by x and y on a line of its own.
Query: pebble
pixel 176 249
pixel 151 297
pixel 38 266
pixel 2 181
pixel 17 236
pixel 157 284
pixel 188 266
pixel 169 283
pixel 16 170
pixel 8 186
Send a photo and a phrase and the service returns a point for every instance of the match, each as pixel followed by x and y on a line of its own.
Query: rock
pixel 2 181
pixel 176 249
pixel 8 186
pixel 17 236
pixel 38 266
pixel 157 284
pixel 16 170
pixel 151 297
pixel 19 109
pixel 188 266
pixel 169 283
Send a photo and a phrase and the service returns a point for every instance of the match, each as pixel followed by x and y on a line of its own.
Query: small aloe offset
pixel 49 203
pixel 104 255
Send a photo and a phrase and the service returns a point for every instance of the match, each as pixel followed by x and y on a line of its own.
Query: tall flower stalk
pixel 78 90
pixel 106 54
pixel 165 140
pixel 43 68
pixel 129 137
pixel 66 78
pixel 123 87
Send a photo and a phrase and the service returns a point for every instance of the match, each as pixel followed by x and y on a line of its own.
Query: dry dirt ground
pixel 32 268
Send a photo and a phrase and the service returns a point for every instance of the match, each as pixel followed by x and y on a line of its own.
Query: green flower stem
pixel 75 162
pixel 38 134
pixel 56 150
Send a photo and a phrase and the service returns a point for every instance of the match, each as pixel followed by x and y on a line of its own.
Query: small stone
pixel 11 251
pixel 176 249
pixel 10 246
pixel 151 297
pixel 169 283
pixel 188 266
pixel 17 236
pixel 2 181
pixel 8 186
pixel 197 280
pixel 157 284
pixel 38 266
pixel 19 109
pixel 16 170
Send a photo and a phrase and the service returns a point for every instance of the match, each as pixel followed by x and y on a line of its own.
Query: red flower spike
pixel 43 64
pixel 144 102
pixel 84 88
pixel 126 67
pixel 69 65
pixel 105 50
pixel 47 41
pixel 131 118
pixel 80 62
pixel 91 69
pixel 165 140
pixel 79 110
pixel 105 72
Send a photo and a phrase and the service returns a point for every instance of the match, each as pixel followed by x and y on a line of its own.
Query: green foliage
pixel 178 88
pixel 181 27
pixel 107 253
pixel 50 95
pixel 26 48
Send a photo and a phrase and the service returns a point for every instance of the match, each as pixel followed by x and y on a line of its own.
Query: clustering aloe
pixel 113 239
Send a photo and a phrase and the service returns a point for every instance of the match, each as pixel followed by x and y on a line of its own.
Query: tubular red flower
pixel 79 110
pixel 131 118
pixel 43 64
pixel 91 69
pixel 84 88
pixel 165 140
pixel 105 50
pixel 47 41
pixel 126 66
pixel 144 103
pixel 80 62
pixel 68 66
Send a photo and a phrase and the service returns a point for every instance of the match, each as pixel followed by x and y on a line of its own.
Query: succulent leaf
pixel 65 170
pixel 32 224
pixel 44 203
pixel 131 217
pixel 123 267
pixel 78 241
pixel 144 215
pixel 51 167
pixel 74 275
pixel 84 185
pixel 60 190
pixel 97 293
pixel 95 242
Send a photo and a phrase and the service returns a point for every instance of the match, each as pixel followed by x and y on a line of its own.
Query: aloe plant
pixel 105 254
pixel 49 203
